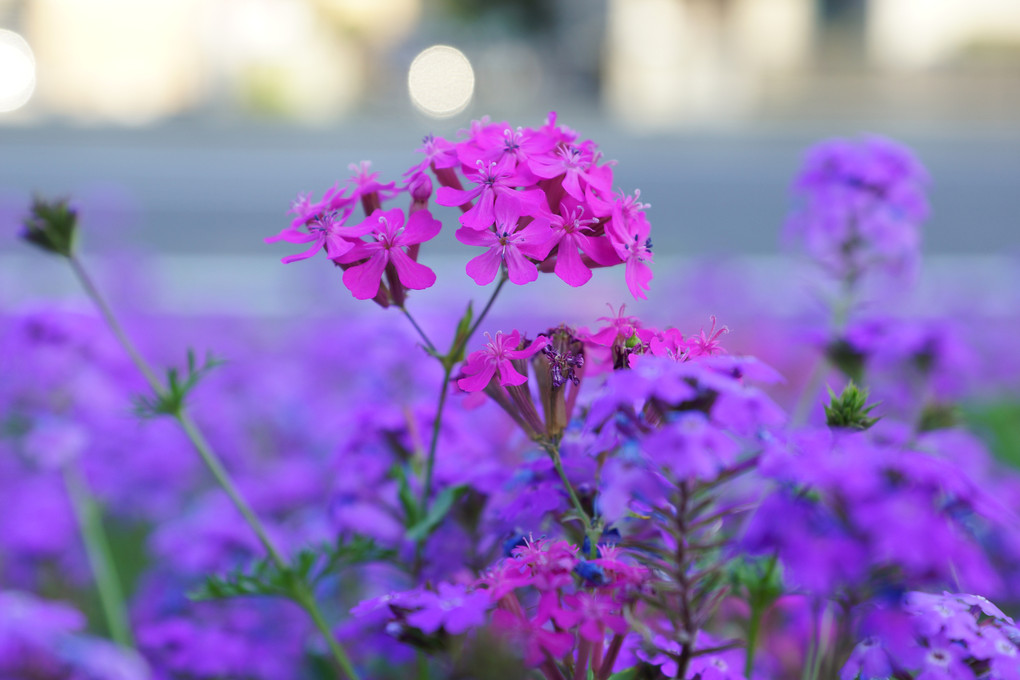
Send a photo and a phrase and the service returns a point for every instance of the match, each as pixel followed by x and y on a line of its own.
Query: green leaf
pixel 412 513
pixel 440 509
pixel 171 400
pixel 629 674
pixel 263 577
pixel 460 338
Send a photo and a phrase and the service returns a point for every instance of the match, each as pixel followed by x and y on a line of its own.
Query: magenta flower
pixel 507 244
pixel 629 231
pixel 495 179
pixel 366 187
pixel 573 163
pixel 484 364
pixel 321 224
pixel 391 237
pixel 537 642
pixel 569 234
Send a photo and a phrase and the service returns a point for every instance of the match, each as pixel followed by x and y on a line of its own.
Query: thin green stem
pixel 758 607
pixel 223 478
pixel 437 424
pixel 810 391
pixel 589 527
pixel 753 626
pixel 97 548
pixel 306 599
pixel 111 320
pixel 446 361
pixel 215 466
pixel 504 277
pixel 421 333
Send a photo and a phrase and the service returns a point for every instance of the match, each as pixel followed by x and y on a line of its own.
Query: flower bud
pixel 52 226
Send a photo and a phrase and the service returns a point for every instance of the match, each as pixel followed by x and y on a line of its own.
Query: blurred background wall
pixel 187 126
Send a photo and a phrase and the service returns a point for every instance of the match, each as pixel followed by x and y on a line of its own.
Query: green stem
pixel 758 606
pixel 447 363
pixel 504 277
pixel 437 423
pixel 97 547
pixel 428 343
pixel 111 320
pixel 589 528
pixel 214 464
pixel 753 626
pixel 807 396
pixel 306 599
pixel 226 482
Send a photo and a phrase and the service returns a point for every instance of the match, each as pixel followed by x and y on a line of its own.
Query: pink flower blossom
pixel 628 232
pixel 507 245
pixel 571 233
pixel 320 223
pixel 391 237
pixel 483 365
pixel 495 179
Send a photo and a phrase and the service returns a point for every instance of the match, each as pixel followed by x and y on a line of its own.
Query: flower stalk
pixel 97 547
pixel 215 466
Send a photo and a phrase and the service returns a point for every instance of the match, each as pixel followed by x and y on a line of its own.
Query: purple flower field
pixel 539 485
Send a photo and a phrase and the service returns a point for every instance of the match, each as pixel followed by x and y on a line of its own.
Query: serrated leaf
pixel 264 577
pixel 170 401
pixel 437 512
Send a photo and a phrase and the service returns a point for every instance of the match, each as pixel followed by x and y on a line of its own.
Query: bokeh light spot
pixel 17 71
pixel 441 81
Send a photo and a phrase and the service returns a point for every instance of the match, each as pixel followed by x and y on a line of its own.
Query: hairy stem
pixel 97 548
pixel 214 464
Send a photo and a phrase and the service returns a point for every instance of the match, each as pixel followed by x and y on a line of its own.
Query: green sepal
pixel 437 513
pixel 171 400
pixel 52 226
pixel 850 409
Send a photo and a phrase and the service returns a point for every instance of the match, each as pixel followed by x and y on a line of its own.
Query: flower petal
pixel 363 280
pixel 421 227
pixel 569 266
pixel 414 275
pixel 484 267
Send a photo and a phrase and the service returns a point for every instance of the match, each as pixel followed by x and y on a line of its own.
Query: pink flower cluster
pixel 537 200
pixel 548 601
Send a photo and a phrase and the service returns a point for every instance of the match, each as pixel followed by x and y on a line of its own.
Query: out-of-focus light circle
pixel 441 81
pixel 17 71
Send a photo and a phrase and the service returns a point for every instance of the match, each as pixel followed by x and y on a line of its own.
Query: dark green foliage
pixel 52 226
pixel 265 578
pixel 170 401
pixel 850 409
pixel 444 502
